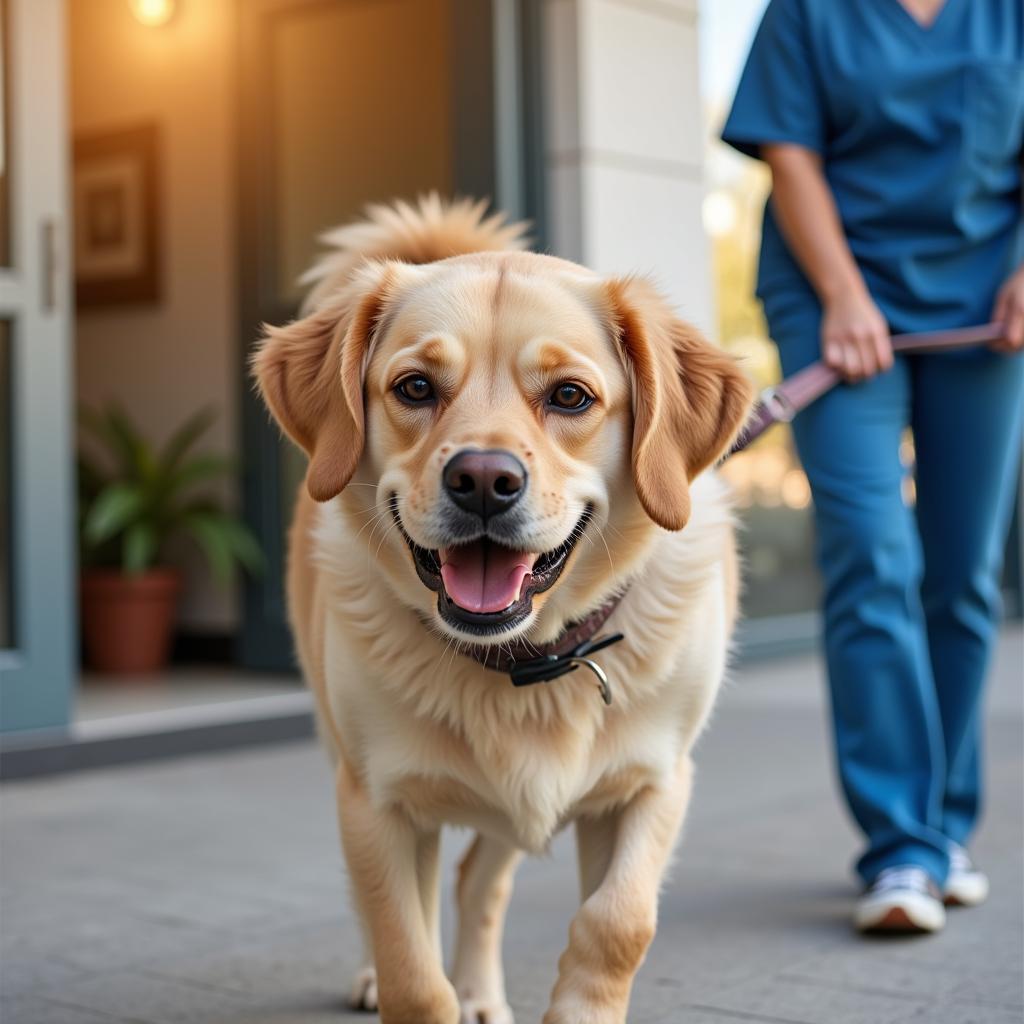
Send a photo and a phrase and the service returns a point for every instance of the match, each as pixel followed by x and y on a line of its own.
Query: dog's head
pixel 518 424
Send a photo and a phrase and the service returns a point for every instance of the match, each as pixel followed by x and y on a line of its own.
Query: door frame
pixel 38 673
pixel 496 139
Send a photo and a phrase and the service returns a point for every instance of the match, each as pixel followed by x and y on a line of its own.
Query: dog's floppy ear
pixel 690 399
pixel 310 373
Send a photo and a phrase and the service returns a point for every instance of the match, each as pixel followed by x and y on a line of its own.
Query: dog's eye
pixel 414 390
pixel 569 397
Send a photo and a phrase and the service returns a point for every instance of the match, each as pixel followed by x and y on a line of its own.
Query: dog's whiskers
pixel 608 550
pixel 444 659
pixel 384 537
pixel 378 516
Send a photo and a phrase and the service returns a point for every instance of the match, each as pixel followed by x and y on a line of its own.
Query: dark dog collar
pixel 526 663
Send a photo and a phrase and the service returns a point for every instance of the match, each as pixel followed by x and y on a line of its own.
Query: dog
pixel 508 453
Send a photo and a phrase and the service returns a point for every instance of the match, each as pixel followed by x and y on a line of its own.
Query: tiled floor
pixel 211 890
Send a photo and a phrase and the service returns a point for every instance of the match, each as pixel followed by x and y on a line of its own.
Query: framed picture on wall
pixel 117 228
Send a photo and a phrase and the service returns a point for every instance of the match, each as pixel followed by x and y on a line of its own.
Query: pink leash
pixel 779 404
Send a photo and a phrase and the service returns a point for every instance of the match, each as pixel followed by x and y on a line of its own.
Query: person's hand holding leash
pixel 854 334
pixel 855 337
pixel 1009 311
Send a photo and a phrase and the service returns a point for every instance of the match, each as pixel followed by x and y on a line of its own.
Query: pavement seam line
pixel 206 986
pixel 99 1014
pixel 739 1014
pixel 860 990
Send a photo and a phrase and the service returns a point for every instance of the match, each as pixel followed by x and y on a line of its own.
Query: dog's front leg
pixel 609 935
pixel 483 891
pixel 384 852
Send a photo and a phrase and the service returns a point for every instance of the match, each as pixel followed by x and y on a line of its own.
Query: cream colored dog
pixel 501 442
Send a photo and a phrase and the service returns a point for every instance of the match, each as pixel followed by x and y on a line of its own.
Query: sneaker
pixel 966 886
pixel 901 899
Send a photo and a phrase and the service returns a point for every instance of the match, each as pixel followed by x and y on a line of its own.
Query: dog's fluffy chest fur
pixel 521 787
pixel 450 742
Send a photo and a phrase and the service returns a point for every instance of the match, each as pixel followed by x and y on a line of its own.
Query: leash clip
pixel 603 686
pixel 778 405
pixel 552 666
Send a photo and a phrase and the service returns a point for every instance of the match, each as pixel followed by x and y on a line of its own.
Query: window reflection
pixel 5 178
pixel 6 490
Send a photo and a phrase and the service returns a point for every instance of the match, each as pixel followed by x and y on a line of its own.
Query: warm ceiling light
pixel 153 12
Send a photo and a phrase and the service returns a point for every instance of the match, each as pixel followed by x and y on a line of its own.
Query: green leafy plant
pixel 135 498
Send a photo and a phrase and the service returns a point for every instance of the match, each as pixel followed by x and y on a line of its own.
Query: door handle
pixel 51 265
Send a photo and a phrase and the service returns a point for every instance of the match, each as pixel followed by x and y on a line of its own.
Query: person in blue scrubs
pixel 894 130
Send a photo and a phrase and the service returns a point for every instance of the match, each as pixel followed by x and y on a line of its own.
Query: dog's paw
pixel 363 994
pixel 584 1011
pixel 485 1011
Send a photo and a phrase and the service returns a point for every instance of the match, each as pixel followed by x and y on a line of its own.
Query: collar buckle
pixel 552 666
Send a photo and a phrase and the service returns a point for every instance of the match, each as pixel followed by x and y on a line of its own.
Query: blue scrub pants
pixel 912 597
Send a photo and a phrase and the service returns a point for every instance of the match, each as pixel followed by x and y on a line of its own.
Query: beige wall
pixel 624 143
pixel 164 361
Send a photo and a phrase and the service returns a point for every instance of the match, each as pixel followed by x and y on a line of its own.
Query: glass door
pixel 36 504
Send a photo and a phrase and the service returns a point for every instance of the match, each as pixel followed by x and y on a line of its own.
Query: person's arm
pixel 1009 311
pixel 854 334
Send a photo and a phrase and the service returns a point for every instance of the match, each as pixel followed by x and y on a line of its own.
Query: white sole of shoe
pixel 967 892
pixel 908 913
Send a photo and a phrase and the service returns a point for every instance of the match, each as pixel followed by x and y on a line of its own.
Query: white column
pixel 624 143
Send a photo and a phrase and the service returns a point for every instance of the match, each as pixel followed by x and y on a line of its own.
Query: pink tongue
pixel 484 577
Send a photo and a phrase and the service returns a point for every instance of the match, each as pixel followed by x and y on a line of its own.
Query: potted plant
pixel 132 501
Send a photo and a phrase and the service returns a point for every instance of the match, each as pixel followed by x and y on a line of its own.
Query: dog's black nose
pixel 484 482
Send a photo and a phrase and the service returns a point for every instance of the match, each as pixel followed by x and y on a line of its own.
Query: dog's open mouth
pixel 484 587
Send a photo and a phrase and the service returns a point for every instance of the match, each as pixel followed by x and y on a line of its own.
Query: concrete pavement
pixel 211 889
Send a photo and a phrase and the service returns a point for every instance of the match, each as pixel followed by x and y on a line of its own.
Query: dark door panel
pixel 342 102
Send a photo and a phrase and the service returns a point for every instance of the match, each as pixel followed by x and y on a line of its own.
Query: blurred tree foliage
pixel 741 324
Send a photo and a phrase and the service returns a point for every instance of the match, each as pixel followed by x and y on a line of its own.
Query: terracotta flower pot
pixel 127 620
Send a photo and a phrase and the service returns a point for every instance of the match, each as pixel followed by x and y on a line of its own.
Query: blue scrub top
pixel 921 134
